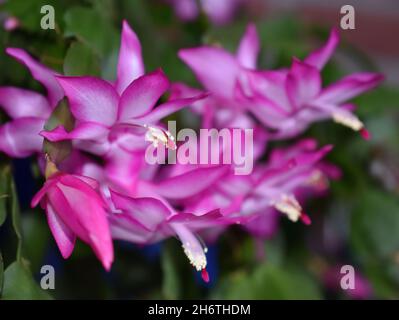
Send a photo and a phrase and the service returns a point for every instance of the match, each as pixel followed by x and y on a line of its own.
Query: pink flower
pixel 291 175
pixel 27 109
pixel 124 113
pixel 149 220
pixel 74 208
pixel 284 101
pixel 219 12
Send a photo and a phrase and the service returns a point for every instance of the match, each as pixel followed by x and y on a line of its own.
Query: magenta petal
pixel 63 235
pixel 82 131
pixel 209 219
pixel 249 47
pixel 20 137
pixel 42 192
pixel 123 168
pixel 215 68
pixel 91 99
pixel 303 83
pixel 130 62
pixel 142 95
pixel 85 214
pixel 220 11
pixel 311 158
pixel 90 181
pixel 23 103
pixel 186 10
pixel 190 183
pixel 320 57
pixel 349 87
pixel 149 212
pixel 167 109
pixel 41 73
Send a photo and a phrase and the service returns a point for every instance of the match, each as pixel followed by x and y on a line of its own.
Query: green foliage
pixel 80 60
pixel 269 281
pixel 19 283
pixel 90 27
pixel 171 284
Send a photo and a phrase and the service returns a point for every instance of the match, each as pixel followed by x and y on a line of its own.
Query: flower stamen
pixel 158 135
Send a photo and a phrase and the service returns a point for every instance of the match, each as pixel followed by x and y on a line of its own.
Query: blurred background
pixel 356 223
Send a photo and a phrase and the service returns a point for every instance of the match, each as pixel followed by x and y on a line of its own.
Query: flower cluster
pixel 105 189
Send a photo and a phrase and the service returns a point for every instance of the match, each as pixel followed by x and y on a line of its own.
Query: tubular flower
pixel 74 208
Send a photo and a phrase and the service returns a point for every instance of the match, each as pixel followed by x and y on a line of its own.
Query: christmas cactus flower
pixel 118 113
pixel 74 208
pixel 286 101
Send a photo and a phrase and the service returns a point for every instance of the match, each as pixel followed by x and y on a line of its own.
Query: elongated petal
pixel 215 68
pixel 150 212
pixel 349 87
pixel 192 218
pixel 23 103
pixel 310 158
pixel 167 109
pixel 190 183
pixel 209 219
pixel 42 192
pixel 303 83
pixel 41 73
pixel 20 137
pixel 320 57
pixel 123 227
pixel 130 62
pixel 63 235
pixel 142 94
pixel 83 210
pixel 91 99
pixel 249 47
pixel 82 131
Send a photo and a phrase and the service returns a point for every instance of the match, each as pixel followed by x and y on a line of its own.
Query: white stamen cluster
pixel 349 121
pixel 198 261
pixel 289 206
pixel 158 135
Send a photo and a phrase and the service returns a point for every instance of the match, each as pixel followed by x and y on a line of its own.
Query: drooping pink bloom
pixel 74 208
pixel 285 101
pixel 27 109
